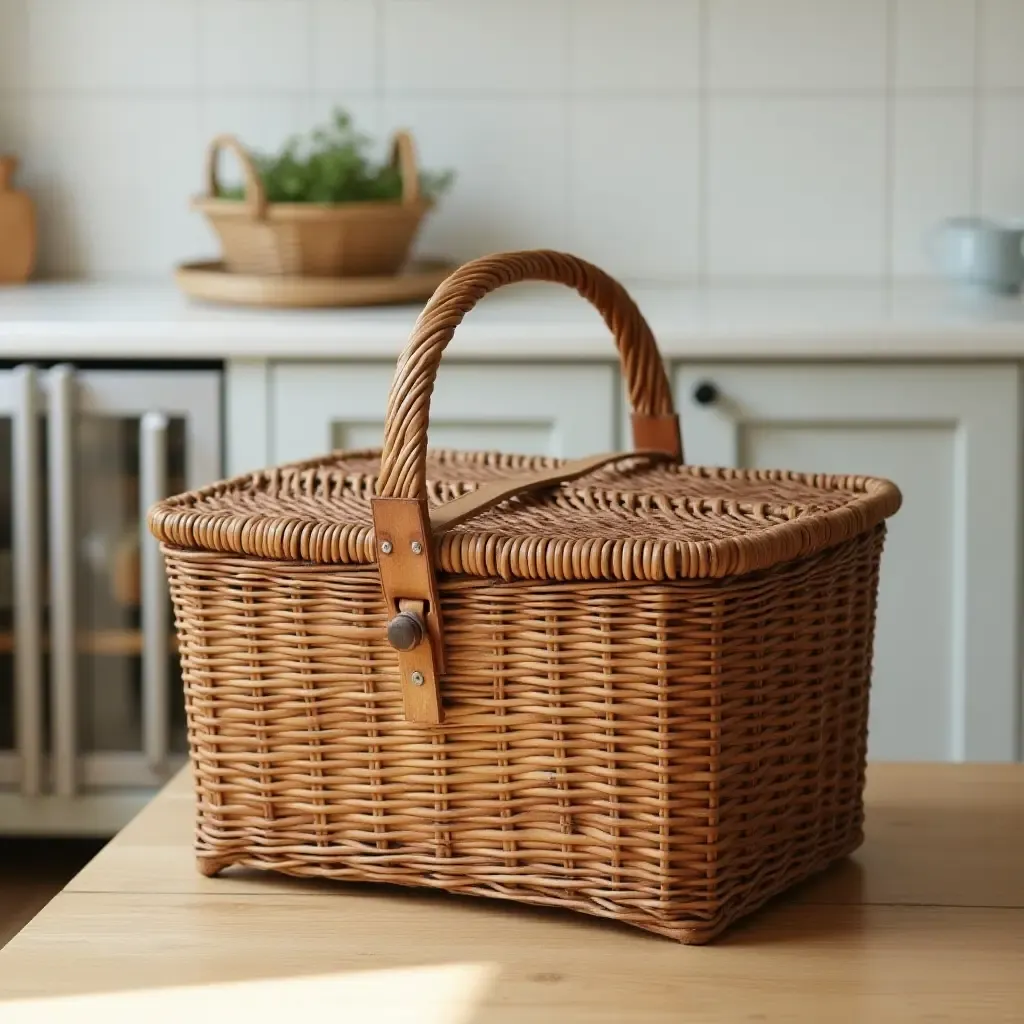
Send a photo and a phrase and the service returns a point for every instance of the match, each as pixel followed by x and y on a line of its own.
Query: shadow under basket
pixel 621 685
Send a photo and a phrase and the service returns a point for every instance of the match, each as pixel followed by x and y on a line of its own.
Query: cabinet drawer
pixel 542 409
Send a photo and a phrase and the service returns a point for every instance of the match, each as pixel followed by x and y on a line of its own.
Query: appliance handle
pixel 27 568
pixel 156 614
pixel 63 654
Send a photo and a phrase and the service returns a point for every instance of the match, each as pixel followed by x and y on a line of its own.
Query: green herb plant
pixel 332 166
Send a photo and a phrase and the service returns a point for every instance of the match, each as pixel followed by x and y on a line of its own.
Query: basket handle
pixel 255 193
pixel 403 156
pixel 403 469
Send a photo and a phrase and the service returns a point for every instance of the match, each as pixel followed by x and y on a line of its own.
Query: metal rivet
pixel 417 678
pixel 385 546
pixel 417 548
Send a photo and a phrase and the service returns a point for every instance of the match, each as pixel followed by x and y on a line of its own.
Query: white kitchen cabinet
pixel 91 714
pixel 536 410
pixel 946 682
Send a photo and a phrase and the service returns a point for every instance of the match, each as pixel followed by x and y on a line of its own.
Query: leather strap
pixel 404 535
pixel 660 433
pixel 458 510
pixel 405 558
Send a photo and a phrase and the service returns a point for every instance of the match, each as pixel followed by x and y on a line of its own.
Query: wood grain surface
pixel 925 923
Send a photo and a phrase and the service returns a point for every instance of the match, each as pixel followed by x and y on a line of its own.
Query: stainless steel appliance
pixel 90 707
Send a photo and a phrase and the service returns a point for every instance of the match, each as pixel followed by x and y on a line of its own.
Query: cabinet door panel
pixel 946 666
pixel 554 410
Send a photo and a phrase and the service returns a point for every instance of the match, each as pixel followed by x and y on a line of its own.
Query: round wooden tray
pixel 209 281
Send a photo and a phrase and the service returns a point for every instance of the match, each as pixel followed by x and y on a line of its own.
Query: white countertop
pixel 132 321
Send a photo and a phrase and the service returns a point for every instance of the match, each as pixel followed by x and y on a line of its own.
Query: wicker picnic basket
pixel 313 239
pixel 622 685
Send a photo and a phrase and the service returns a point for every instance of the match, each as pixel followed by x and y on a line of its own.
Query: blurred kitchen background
pixel 677 140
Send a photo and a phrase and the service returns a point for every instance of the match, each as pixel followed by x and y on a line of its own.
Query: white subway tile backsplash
pixel 319 109
pixel 1002 44
pixel 510 159
pixel 109 45
pixel 344 44
pixel 646 45
pixel 260 122
pixel 255 45
pixel 1002 156
pixel 800 45
pixel 934 44
pixel 634 195
pixel 115 176
pixel 516 46
pixel 663 138
pixel 932 174
pixel 796 187
pixel 13 44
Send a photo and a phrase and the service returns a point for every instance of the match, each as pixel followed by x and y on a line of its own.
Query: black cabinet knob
pixel 405 631
pixel 705 393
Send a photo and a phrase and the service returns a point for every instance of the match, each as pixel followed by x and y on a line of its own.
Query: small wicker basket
pixel 622 685
pixel 310 239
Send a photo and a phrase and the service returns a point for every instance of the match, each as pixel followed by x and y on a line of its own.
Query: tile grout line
pixel 977 135
pixel 889 202
pixel 568 125
pixel 703 136
pixel 309 98
pixel 202 100
pixel 380 57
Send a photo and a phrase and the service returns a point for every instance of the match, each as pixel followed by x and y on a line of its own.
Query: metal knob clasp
pixel 406 631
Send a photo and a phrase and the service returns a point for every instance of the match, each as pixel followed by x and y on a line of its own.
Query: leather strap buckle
pixel 405 558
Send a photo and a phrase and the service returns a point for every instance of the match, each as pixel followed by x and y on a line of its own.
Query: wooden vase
pixel 17 227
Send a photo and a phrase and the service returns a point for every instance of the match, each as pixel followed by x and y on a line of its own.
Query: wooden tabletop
pixel 925 923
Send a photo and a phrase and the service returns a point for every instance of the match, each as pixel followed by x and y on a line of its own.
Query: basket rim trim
pixel 536 554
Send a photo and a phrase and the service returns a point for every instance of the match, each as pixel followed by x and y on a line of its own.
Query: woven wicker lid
pixel 630 520
pixel 639 517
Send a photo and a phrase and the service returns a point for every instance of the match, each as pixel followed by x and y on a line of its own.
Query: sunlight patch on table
pixel 443 994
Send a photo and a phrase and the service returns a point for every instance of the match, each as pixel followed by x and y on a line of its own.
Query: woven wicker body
pixel 654 683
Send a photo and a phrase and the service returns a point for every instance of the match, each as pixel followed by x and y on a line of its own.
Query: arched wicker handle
pixel 403 156
pixel 255 193
pixel 404 457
